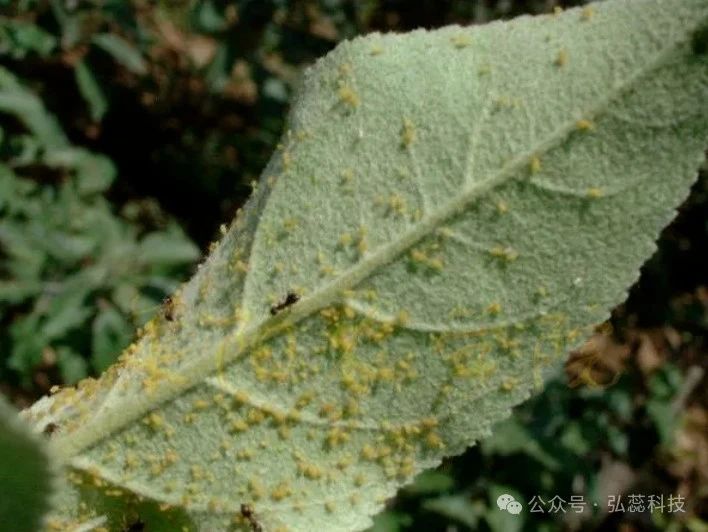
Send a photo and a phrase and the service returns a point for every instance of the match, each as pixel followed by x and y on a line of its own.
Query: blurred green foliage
pixel 74 277
pixel 130 130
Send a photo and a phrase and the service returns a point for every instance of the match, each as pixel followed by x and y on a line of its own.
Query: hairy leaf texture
pixel 448 213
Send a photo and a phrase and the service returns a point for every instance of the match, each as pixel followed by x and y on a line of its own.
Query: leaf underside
pixel 455 209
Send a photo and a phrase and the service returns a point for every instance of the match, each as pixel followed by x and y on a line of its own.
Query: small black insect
pixel 136 526
pixel 290 299
pixel 168 309
pixel 249 515
pixel 50 429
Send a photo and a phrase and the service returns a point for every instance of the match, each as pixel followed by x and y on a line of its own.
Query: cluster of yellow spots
pixel 508 344
pixel 587 13
pixel 343 338
pixel 506 102
pixel 308 469
pixel 158 463
pixel 535 164
pixel 287 367
pixel 336 436
pixel 376 49
pixel 562 58
pixel 494 309
pixel 502 207
pixel 506 254
pixel 281 491
pixel 197 473
pixel 459 313
pixel 208 320
pixel 347 176
pixel 286 158
pixel 351 408
pixel 330 411
pixel 404 437
pixel 573 334
pixel 358 239
pixel 345 239
pixel 155 421
pixel 371 453
pixel 239 266
pixel 584 125
pixel 469 362
pixel 256 488
pixel 509 384
pixel 434 441
pixel 359 378
pixel 245 454
pixel 290 224
pixel 594 193
pixel 325 267
pixel 305 399
pixel 396 449
pixel 421 257
pixel 347 95
pixel 395 204
pixel 238 425
pixel 201 404
pixel 408 133
pixel 362 243
pixel 461 41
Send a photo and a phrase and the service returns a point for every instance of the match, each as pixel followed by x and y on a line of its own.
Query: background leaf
pixel 26 474
pixel 122 51
pixel 91 90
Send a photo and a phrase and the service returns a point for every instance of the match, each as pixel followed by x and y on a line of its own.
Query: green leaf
pixel 71 364
pixel 207 18
pixel 91 91
pixel 122 51
pixel 66 311
pixel 391 522
pixel 167 249
pixel 431 482
pixel 111 334
pixel 458 508
pixel 448 214
pixel 500 520
pixel 27 107
pixel 511 437
pixel 26 474
pixel 18 38
pixel 94 173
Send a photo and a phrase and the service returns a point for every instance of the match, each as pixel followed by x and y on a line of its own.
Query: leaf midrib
pixel 132 407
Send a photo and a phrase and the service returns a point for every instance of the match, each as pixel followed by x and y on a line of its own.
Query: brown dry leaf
pixel 599 362
pixel 648 354
pixel 691 447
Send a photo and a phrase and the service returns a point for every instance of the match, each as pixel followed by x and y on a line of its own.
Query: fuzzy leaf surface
pixel 455 210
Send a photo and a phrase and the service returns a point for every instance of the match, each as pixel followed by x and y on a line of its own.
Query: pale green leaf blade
pixel 122 51
pixel 18 100
pixel 91 90
pixel 455 210
pixel 26 474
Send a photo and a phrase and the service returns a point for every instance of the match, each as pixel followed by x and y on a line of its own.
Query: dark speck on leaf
pixel 290 299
